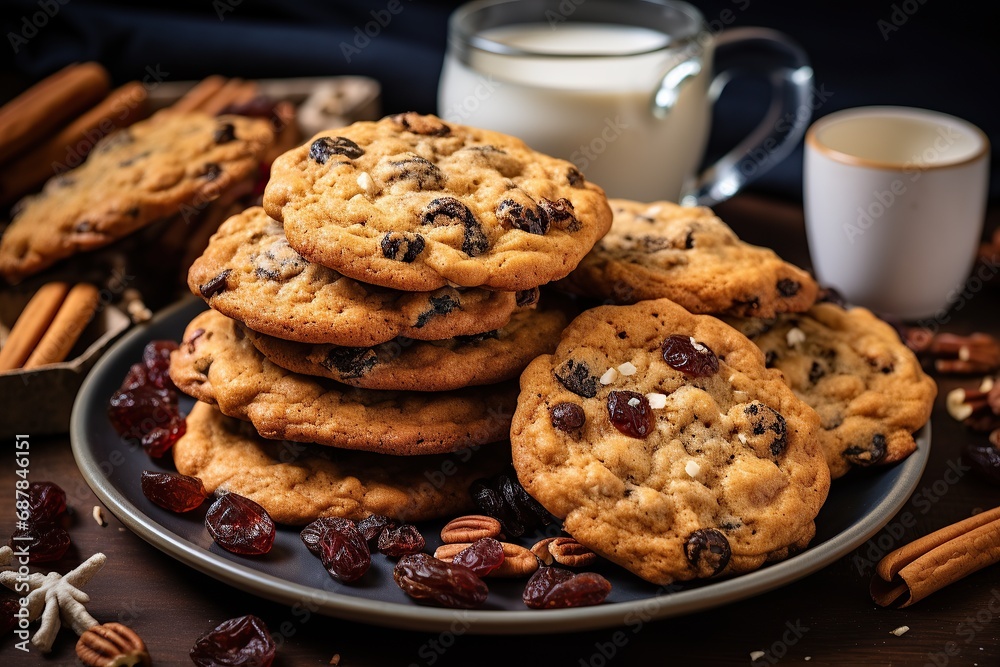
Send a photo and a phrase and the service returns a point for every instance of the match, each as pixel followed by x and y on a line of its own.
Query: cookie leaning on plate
pixel 216 364
pixel 298 483
pixel 135 176
pixel 666 445
pixel 414 203
pixel 688 255
pixel 867 386
pixel 250 273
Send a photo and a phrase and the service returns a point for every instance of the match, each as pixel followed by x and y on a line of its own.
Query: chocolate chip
pixel 527 297
pixel 816 372
pixel 425 125
pixel 448 211
pixel 513 215
pixel 324 147
pixel 787 287
pixel 708 552
pixel 745 306
pixel 424 173
pixel 575 178
pixel 211 171
pixel 575 376
pixel 215 285
pixel 869 454
pixel 440 305
pixel 350 362
pixel 689 240
pixel 192 339
pixel 224 133
pixel 402 246
pixel 567 416
pixel 478 338
pixel 561 214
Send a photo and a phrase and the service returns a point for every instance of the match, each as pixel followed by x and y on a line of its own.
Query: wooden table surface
pixel 825 618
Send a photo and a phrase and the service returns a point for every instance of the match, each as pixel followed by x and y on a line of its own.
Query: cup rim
pixel 459 19
pixel 894 165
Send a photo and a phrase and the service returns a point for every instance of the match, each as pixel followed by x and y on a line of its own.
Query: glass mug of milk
pixel 622 89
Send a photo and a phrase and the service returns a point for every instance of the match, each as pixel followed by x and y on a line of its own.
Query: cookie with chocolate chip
pixel 216 364
pixel 413 365
pixel 666 445
pixel 867 386
pixel 250 273
pixel 688 255
pixel 297 483
pixel 414 203
pixel 167 165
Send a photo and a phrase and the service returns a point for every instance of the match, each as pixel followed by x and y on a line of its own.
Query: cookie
pixel 867 386
pixel 154 169
pixel 414 203
pixel 217 364
pixel 690 256
pixel 250 273
pixel 666 446
pixel 297 483
pixel 411 365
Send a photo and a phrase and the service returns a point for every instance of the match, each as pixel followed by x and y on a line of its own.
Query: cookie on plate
pixel 216 364
pixel 149 171
pixel 413 365
pixel 297 483
pixel 414 203
pixel 851 367
pixel 688 255
pixel 250 273
pixel 666 446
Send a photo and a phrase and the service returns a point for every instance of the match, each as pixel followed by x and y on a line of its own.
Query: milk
pixel 593 110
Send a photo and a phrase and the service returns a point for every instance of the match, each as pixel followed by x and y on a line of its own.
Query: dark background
pixel 933 54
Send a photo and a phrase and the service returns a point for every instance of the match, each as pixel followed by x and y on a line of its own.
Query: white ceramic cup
pixel 623 89
pixel 894 204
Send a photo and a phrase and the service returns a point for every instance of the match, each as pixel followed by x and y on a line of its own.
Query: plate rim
pixel 433 619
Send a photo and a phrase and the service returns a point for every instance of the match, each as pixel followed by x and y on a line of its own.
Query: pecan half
pixel 563 550
pixel 977 353
pixel 979 409
pixel 467 529
pixel 112 645
pixel 517 561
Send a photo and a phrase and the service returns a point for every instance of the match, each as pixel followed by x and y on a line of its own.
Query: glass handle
pixel 757 51
pixel 665 97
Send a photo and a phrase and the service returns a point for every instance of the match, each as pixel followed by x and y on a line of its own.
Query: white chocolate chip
pixel 731 378
pixel 366 183
pixel 901 630
pixel 742 438
pixel 657 401
pixel 628 368
pixel 692 468
pixel 609 376
pixel 654 210
pixel 634 402
pixel 698 346
pixel 795 336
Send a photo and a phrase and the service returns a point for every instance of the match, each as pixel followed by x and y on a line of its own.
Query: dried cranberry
pixel 173 491
pixel 708 551
pixel 156 359
pixel 400 541
pixel 9 607
pixel 46 501
pixel 555 588
pixel 688 356
pixel 45 541
pixel 630 413
pixel 240 525
pixel 482 556
pixel 424 577
pixel 344 552
pixel 238 642
pixel 146 406
pixel 371 527
pixel 567 416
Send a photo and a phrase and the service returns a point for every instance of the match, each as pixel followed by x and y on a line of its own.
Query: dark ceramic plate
pixel 857 508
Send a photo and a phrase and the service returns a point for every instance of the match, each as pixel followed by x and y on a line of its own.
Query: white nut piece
pixel 609 376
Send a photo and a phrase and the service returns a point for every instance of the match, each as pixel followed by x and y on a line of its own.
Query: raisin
pixel 556 588
pixel 405 539
pixel 45 541
pixel 503 498
pixel 816 372
pixel 689 240
pixel 46 501
pixel 240 525
pixel 630 413
pixel 575 178
pixel 708 551
pixel 425 125
pixel 9 607
pixel 575 376
pixel 862 455
pixel 238 642
pixel 746 307
pixel 324 147
pixel 448 210
pixel 215 285
pixel 224 134
pixel 422 172
pixel 173 491
pixel 769 432
pixel 517 216
pixel 688 356
pixel 482 556
pixel 440 305
pixel 350 362
pixel 424 577
pixel 146 406
pixel 473 339
pixel 526 297
pixel 561 214
pixel 372 526
pixel 490 502
pixel 211 171
pixel 567 416
pixel 342 550
pixel 770 358
pixel 788 287
pixel 402 246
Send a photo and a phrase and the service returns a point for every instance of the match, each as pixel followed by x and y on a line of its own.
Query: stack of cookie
pixel 382 300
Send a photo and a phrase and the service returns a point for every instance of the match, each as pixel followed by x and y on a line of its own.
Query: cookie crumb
pixel 795 336
pixel 657 401
pixel 756 655
pixel 609 376
pixel 98 515
pixel 901 630
pixel 692 468
pixel 628 368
